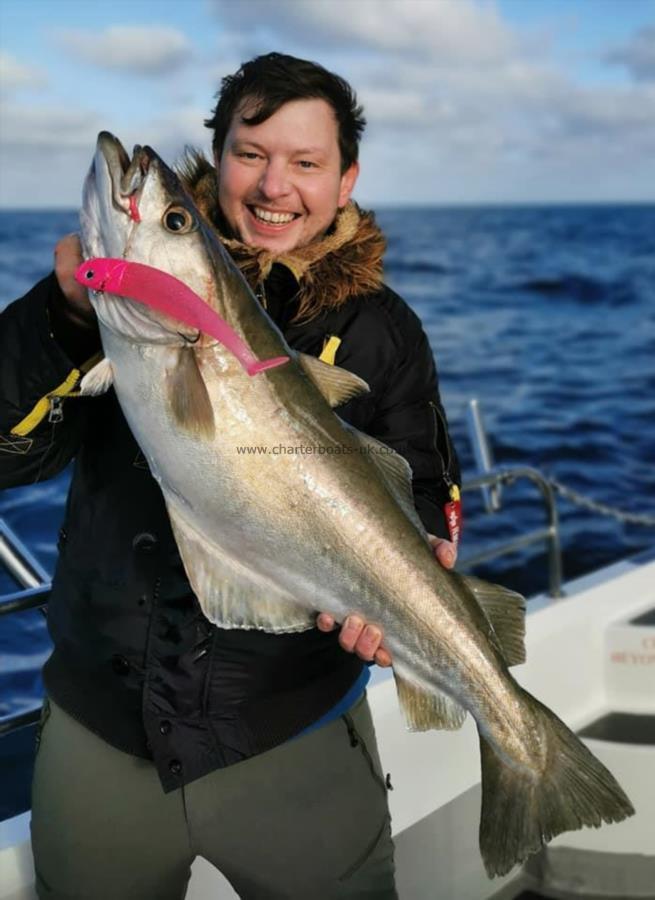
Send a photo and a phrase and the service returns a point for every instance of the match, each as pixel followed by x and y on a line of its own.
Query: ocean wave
pixel 582 288
pixel 416 266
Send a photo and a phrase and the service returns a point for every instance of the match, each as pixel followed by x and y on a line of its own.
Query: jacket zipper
pixel 445 464
pixel 56 413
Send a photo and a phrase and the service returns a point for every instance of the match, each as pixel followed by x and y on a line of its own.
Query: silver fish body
pixel 281 510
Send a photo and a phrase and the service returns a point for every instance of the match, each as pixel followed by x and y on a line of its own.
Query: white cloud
pixel 450 31
pixel 608 112
pixel 45 154
pixel 48 127
pixel 15 76
pixel 397 107
pixel 47 150
pixel 638 55
pixel 170 133
pixel 137 50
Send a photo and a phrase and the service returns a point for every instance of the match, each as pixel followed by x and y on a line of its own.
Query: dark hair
pixel 275 79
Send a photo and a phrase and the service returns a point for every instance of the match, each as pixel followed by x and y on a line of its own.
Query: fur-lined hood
pixel 345 263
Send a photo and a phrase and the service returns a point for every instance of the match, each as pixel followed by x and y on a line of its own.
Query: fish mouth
pixel 126 176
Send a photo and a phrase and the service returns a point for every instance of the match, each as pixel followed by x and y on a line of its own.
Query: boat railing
pixel 490 480
pixel 28 572
pixel 549 534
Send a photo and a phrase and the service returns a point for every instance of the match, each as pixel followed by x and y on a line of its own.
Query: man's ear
pixel 348 180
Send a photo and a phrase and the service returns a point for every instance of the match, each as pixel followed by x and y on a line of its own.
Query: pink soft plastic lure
pixel 169 295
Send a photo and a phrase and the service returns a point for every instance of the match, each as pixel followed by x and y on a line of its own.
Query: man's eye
pixel 248 154
pixel 306 164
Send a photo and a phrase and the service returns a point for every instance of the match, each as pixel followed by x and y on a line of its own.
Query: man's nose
pixel 274 182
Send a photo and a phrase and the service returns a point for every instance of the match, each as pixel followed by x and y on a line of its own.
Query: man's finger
pixel 68 256
pixel 446 554
pixel 350 632
pixel 68 253
pixel 368 642
pixel 325 622
pixel 383 657
pixel 445 551
pixel 358 637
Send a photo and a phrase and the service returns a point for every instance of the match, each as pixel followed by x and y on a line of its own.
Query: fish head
pixel 136 209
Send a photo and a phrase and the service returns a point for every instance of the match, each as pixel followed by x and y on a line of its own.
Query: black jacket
pixel 134 658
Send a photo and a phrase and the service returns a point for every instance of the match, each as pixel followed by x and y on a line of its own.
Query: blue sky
pixel 467 100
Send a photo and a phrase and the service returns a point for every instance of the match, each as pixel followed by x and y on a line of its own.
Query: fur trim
pixel 345 263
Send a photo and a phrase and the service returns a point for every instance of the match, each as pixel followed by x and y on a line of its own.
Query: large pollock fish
pixel 268 539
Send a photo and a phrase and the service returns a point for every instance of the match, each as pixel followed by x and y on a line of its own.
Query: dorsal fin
pixel 505 610
pixel 336 384
pixel 396 472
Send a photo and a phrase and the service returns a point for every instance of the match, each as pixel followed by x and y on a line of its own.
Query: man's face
pixel 280 183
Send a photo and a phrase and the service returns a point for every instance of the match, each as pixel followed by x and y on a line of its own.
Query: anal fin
pixel 230 594
pixel 424 710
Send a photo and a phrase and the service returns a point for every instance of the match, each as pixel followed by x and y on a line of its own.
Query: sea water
pixel 545 315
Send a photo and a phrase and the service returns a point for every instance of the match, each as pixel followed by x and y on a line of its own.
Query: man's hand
pixel 365 640
pixel 68 256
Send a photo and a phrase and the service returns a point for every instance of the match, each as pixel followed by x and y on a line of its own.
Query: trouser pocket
pixel 359 740
pixel 375 860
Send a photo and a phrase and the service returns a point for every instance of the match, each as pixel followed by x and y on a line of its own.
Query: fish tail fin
pixel 523 808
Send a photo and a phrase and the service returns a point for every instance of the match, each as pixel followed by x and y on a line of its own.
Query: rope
pixel 602 508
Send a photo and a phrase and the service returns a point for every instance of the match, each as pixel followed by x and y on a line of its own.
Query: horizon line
pixel 408 204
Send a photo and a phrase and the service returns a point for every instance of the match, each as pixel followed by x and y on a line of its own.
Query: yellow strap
pixel 454 492
pixel 330 348
pixel 40 410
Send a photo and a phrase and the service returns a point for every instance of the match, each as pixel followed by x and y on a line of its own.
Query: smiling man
pixel 281 180
pixel 165 737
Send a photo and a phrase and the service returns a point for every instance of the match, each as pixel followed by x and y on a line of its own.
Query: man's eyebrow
pixel 244 142
pixel 303 151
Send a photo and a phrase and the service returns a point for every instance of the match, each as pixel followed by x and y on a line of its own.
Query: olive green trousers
pixel 308 819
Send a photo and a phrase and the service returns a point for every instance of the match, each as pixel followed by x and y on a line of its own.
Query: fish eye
pixel 178 220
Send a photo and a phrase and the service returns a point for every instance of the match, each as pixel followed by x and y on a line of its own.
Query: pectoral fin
pixel 188 397
pixel 230 594
pixel 337 385
pixel 424 710
pixel 97 380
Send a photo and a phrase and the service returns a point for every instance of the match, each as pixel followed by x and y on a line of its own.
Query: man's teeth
pixel 275 218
